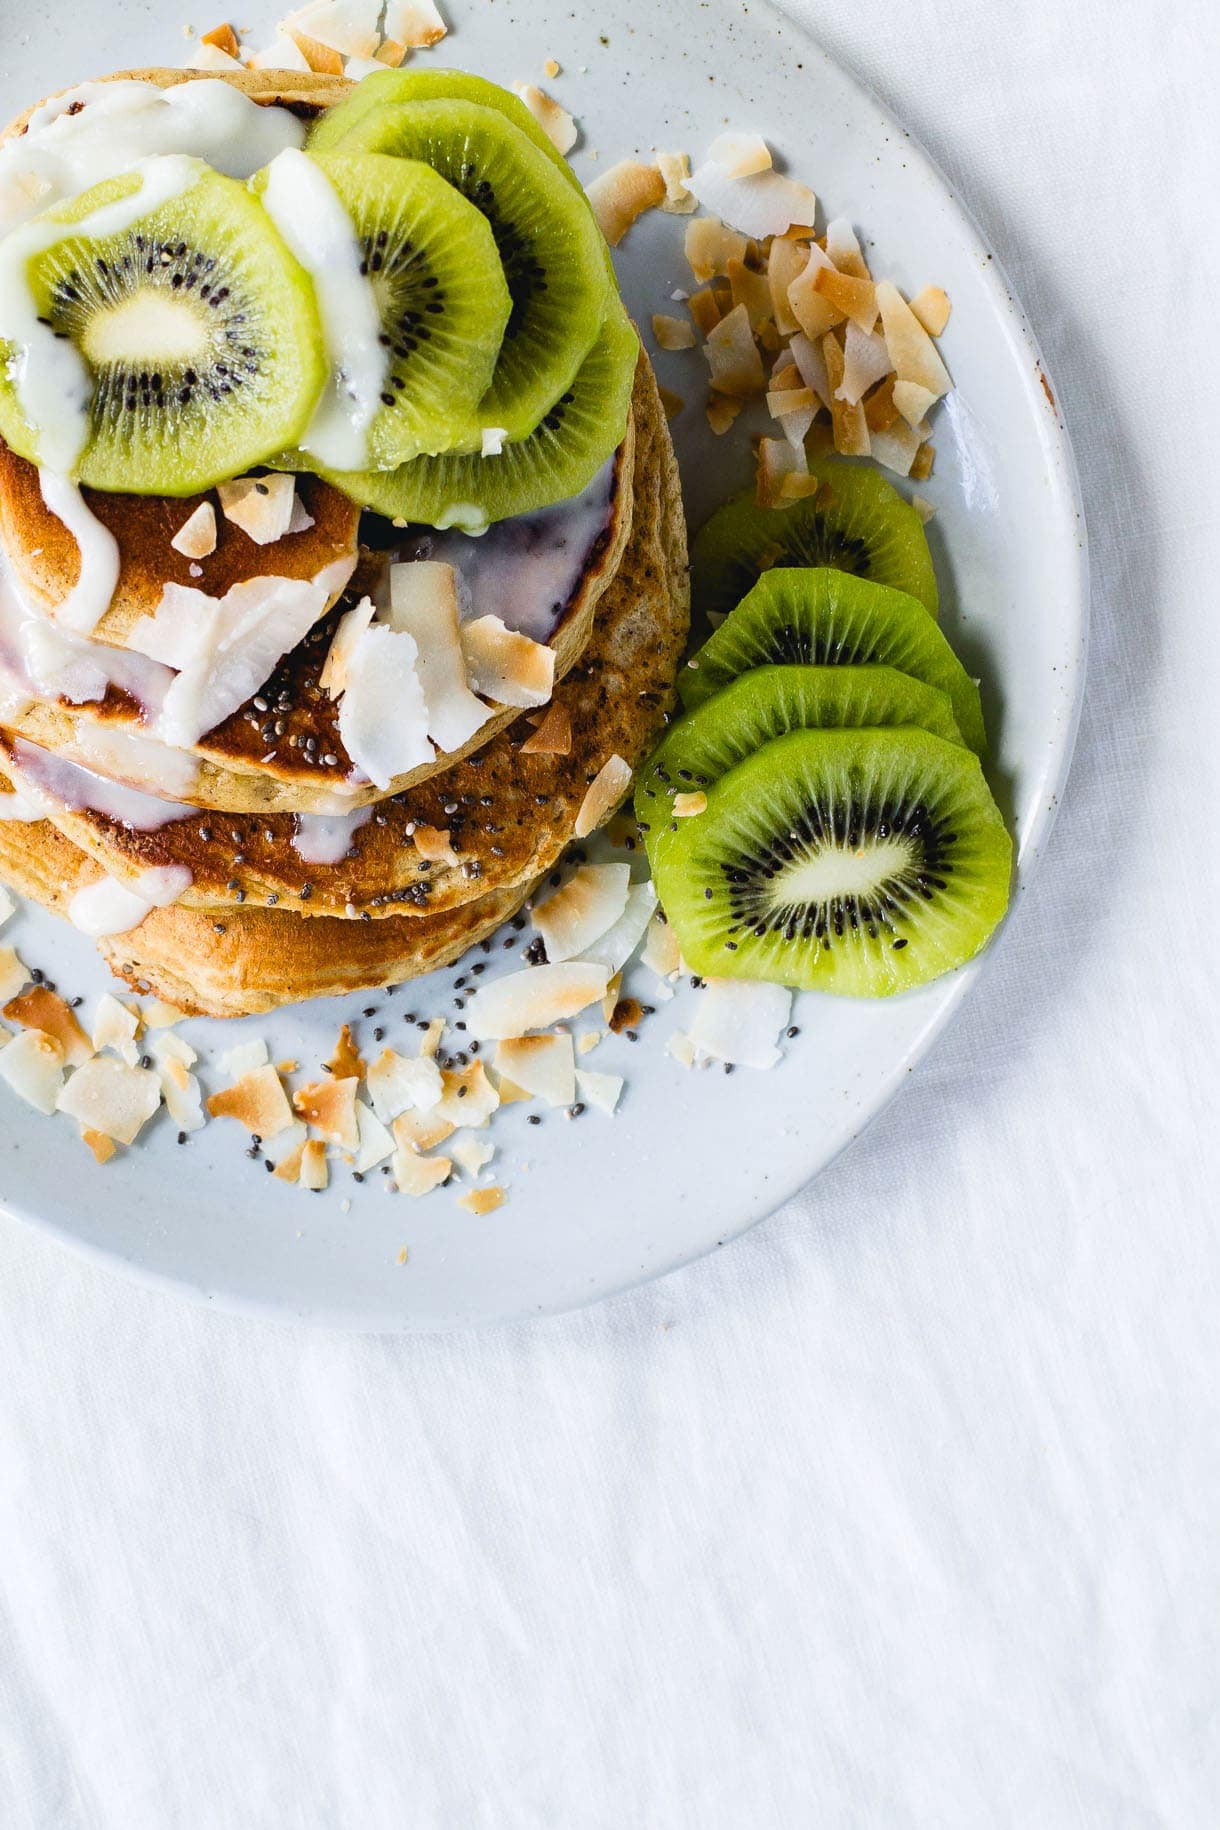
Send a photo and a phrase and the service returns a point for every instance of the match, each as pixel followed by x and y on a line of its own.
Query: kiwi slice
pixel 563 454
pixel 856 522
pixel 860 862
pixel 819 617
pixel 440 289
pixel 769 702
pixel 548 241
pixel 198 329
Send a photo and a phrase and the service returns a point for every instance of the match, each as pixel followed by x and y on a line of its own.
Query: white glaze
pixel 326 838
pixel 15 806
pixel 111 907
pixel 41 775
pixel 89 599
pixel 307 211
pixel 118 124
pixel 42 661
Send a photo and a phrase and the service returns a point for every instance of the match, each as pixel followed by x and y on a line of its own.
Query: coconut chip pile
pixel 787 316
pixel 413 1102
pixel 331 37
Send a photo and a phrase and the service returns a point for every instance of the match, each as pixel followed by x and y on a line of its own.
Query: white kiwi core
pixel 146 329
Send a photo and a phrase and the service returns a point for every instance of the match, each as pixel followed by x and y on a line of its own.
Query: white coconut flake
pixel 283 53
pixel 543 1066
pixel 383 717
pixel 533 999
pixel 765 203
pixel 242 1060
pixel 741 154
pixel 471 1154
pixel 425 602
pixel 866 360
pixel 376 1143
pixel 682 1049
pixel 347 26
pixel 416 23
pixel 399 1083
pixel 116 1027
pixel 675 170
pixel 603 795
pixel 741 1020
pixel 260 506
pixel 348 630
pixel 506 666
pixel 14 974
pixel 582 909
pixel 600 1090
pixel 108 1096
pixel 493 438
pixel 32 1064
pixel 615 947
pixel 469 1097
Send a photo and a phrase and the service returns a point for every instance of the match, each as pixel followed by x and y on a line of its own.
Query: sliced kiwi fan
pixel 860 862
pixel 199 331
pixel 820 617
pixel 856 522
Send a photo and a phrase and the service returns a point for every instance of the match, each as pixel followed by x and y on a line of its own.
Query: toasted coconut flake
pixel 850 427
pixel 553 737
pixel 397 1083
pixel 610 999
pixel 704 308
pixel 721 412
pixel 555 122
pixel 432 1037
pixel 347 26
pixel 581 910
pixel 709 247
pixel 748 288
pixel 777 461
pixel 844 249
pixel 542 1065
pixel 103 1147
pixel 733 357
pixel 257 1101
pixel 212 57
pixel 288 1169
pixel 346 1062
pixel 661 954
pixel 416 23
pixel 471 1154
pixel 432 843
pixel 108 1096
pixel 418 1175
pixel 314 1172
pixel 675 170
pixel 224 37
pixel 931 307
pixel 671 403
pixel 424 600
pixel 167 1047
pixel 116 1027
pixel 600 1090
pixel 375 1143
pixel 795 409
pixel 550 67
pixel 32 1064
pixel 242 1060
pixel 7 905
pixel 913 402
pixel 421 1130
pixel 813 310
pixel 785 376
pixel 14 973
pixel 588 1040
pixel 923 508
pixel 787 261
pixel 622 194
pixel 603 795
pixel 533 999
pixel 506 666
pixel 741 1020
pixel 854 299
pixel 687 806
pixel 329 1107
pixel 866 360
pixel 672 333
pixel 895 447
pixel 469 1098
pixel 260 506
pixel 912 351
pixel 348 630
pixel 196 538
pixel 41 1008
pixel 615 947
pixel 390 53
pixel 483 1200
pixel 879 409
pixel 925 457
pixel 510 1093
pixel 797 486
pixel 680 1046
pixel 740 154
pixel 157 1014
pixel 179 1087
pixel 759 205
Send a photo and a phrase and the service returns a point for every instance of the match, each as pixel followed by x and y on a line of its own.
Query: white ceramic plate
pixel 692 1158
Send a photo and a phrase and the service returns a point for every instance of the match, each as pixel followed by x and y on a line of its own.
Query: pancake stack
pixel 261 864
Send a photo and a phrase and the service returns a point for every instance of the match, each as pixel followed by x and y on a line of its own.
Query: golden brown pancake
pixel 509 813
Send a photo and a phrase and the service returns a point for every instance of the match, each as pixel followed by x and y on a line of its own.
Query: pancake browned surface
pixel 509 813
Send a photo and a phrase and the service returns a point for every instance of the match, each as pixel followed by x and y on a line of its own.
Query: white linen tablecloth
pixel 903 1511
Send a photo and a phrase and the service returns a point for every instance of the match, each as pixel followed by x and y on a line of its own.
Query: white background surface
pixel 904 1509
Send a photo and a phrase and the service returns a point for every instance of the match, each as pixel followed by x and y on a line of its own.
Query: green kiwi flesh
pixel 769 702
pixel 431 259
pixel 857 522
pixel 558 459
pixel 199 331
pixel 552 251
pixel 820 617
pixel 858 862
